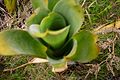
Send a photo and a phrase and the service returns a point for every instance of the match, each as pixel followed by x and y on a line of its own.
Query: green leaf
pixel 10 5
pixel 54 38
pixel 34 30
pixel 72 12
pixel 15 42
pixel 53 21
pixel 52 3
pixel 37 16
pixel 39 3
pixel 58 65
pixel 84 47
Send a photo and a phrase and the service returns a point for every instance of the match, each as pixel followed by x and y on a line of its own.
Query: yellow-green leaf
pixel 15 42
pixel 84 47
pixel 37 16
pixel 52 3
pixel 39 3
pixel 10 5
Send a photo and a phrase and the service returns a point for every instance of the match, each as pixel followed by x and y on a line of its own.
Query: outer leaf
pixel 53 21
pixel 37 16
pixel 15 42
pixel 52 3
pixel 72 12
pixel 84 47
pixel 54 38
pixel 39 3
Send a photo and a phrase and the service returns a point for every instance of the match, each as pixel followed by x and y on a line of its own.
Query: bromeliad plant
pixel 54 34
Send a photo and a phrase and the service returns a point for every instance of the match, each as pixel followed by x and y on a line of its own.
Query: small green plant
pixel 54 34
pixel 10 5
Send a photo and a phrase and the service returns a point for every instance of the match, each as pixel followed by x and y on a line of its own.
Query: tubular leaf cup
pixel 53 34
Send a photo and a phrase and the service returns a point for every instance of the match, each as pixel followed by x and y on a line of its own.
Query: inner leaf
pixel 54 38
pixel 39 3
pixel 61 52
pixel 52 3
pixel 37 16
pixel 53 21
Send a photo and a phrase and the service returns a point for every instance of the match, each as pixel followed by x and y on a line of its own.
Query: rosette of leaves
pixel 53 34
